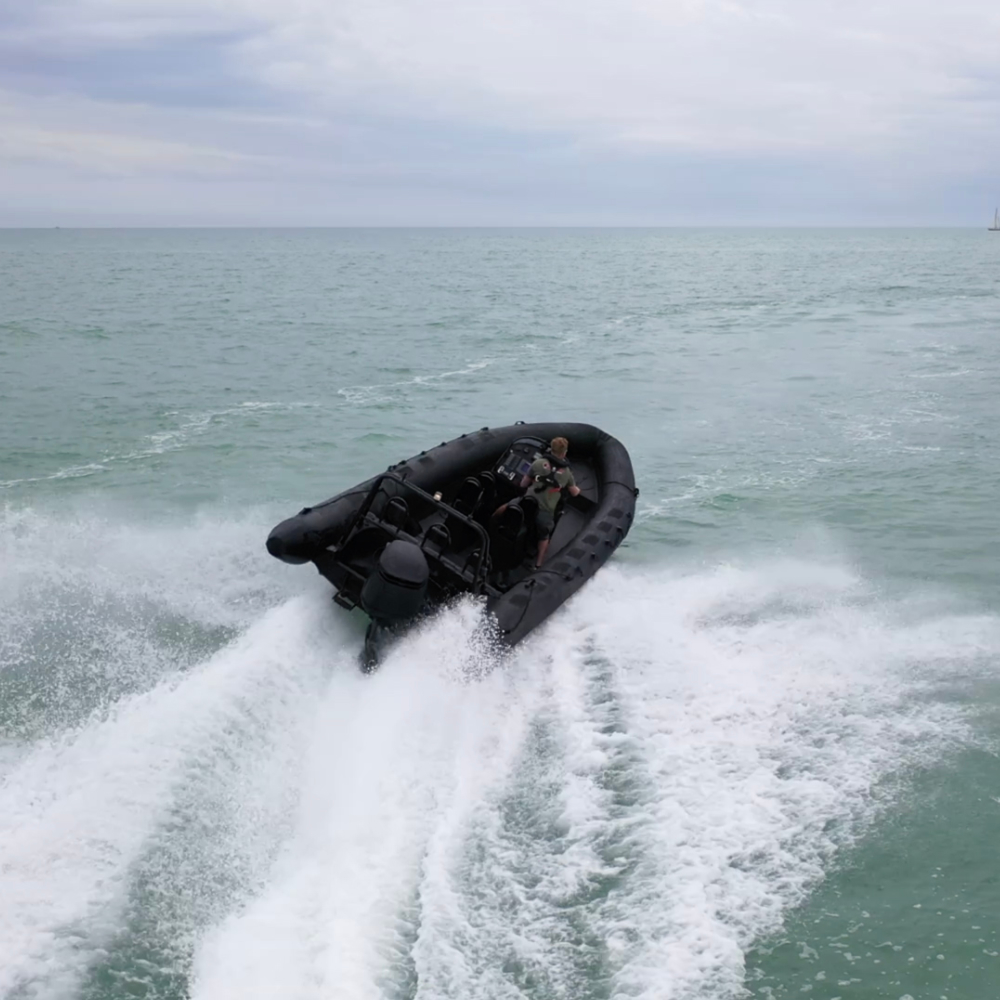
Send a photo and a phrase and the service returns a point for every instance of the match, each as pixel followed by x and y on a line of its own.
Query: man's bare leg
pixel 543 547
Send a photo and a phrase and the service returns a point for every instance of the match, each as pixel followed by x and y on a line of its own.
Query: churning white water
pixel 616 809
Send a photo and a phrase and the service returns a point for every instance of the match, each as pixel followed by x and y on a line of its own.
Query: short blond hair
pixel 559 447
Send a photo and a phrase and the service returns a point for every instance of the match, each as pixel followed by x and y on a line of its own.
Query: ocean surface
pixel 757 756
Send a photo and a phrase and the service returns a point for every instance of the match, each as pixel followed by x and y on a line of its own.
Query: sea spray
pixel 635 799
pixel 205 758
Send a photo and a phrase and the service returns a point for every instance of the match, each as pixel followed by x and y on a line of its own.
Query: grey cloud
pixel 541 111
pixel 52 48
pixel 190 73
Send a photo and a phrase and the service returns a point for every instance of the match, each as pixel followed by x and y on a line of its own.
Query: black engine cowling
pixel 398 587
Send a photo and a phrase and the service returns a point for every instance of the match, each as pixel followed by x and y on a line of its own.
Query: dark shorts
pixel 546 522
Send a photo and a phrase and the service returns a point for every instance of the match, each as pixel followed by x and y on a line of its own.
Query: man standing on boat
pixel 548 476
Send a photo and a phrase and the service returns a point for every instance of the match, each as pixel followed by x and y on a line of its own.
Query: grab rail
pixel 449 512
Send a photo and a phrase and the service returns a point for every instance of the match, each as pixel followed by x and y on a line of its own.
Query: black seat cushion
pixel 396 512
pixel 469 495
pixel 437 539
pixel 507 544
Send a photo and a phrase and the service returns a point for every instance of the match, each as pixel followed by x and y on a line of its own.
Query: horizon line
pixel 471 226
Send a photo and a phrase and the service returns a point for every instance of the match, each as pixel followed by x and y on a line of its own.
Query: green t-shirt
pixel 546 494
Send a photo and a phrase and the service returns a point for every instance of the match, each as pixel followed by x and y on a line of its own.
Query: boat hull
pixel 342 536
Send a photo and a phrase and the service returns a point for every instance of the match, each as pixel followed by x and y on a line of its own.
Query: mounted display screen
pixel 517 462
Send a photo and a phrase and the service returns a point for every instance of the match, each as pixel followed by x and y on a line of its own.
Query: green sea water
pixel 755 757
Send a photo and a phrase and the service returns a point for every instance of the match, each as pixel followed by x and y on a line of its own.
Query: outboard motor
pixel 398 587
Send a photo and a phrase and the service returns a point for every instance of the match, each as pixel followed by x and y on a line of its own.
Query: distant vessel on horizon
pixel 995 228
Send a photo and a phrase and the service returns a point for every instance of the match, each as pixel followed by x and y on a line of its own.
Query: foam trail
pixel 77 812
pixel 501 901
pixel 397 760
pixel 638 797
pixel 766 713
pixel 185 428
pixel 360 395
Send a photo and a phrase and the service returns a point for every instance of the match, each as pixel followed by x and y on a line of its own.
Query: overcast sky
pixel 523 112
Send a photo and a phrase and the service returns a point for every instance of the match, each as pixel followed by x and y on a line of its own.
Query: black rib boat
pixel 421 533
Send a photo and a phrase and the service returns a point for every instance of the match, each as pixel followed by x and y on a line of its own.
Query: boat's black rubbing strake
pixel 423 532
